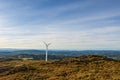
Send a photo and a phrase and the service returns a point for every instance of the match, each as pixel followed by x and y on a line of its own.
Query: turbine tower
pixel 47 45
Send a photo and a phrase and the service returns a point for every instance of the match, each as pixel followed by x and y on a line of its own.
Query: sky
pixel 67 24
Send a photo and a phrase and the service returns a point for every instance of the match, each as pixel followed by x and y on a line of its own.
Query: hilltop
pixel 91 67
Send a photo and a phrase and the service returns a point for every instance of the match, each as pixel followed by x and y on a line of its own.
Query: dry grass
pixel 90 67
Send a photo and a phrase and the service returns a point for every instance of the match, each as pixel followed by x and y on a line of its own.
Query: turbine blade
pixel 49 44
pixel 45 43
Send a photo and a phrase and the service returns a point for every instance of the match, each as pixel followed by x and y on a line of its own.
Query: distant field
pixel 92 67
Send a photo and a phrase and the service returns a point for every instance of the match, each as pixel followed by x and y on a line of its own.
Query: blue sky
pixel 67 24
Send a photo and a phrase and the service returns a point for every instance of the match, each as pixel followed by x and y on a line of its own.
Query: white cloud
pixel 71 32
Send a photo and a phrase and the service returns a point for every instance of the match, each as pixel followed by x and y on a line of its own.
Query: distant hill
pixel 56 54
pixel 91 67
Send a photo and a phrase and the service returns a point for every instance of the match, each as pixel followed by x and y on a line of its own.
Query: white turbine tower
pixel 47 45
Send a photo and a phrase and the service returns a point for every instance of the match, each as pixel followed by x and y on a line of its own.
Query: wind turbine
pixel 47 45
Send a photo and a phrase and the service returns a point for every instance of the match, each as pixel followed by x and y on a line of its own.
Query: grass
pixel 92 67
